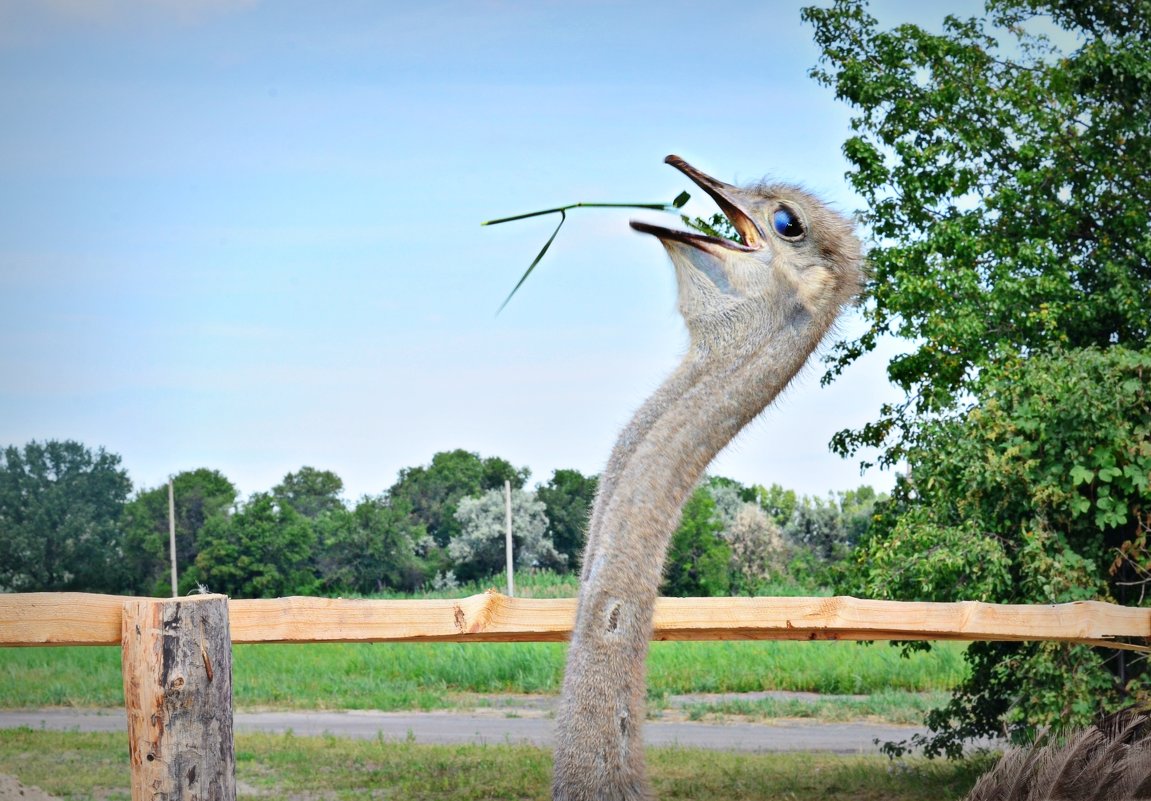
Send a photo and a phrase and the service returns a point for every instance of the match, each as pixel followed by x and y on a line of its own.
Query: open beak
pixel 730 201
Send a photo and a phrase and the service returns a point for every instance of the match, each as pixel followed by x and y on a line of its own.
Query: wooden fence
pixel 177 660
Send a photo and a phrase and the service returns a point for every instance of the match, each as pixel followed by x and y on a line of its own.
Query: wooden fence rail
pixel 177 669
pixel 88 619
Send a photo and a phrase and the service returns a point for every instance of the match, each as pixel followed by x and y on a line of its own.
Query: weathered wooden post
pixel 177 663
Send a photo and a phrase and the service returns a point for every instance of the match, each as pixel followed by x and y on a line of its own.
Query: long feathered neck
pixel 701 407
pixel 674 387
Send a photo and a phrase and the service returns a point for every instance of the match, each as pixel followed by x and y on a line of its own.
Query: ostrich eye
pixel 787 223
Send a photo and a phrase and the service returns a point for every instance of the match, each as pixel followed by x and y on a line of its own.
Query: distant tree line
pixel 69 520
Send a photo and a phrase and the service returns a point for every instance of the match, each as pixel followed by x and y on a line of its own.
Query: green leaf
pixel 1081 475
pixel 1108 473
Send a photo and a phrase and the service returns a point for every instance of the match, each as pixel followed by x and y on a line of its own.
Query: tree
pixel 567 499
pixel 479 550
pixel 199 495
pixel 310 492
pixel 369 549
pixel 758 550
pixel 992 511
pixel 1006 191
pixel 698 559
pixel 776 501
pixel 856 510
pixel 265 550
pixel 434 492
pixel 1009 206
pixel 60 507
pixel 817 525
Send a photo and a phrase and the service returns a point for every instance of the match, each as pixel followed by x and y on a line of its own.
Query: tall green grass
pixel 428 675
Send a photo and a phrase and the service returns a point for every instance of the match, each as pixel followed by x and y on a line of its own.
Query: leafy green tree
pixel 60 507
pixel 479 550
pixel 433 492
pixel 991 511
pixel 264 550
pixel 369 549
pixel 1006 188
pixel 698 559
pixel 567 497
pixel 856 510
pixel 1009 207
pixel 817 525
pixel 199 495
pixel 776 501
pixel 311 492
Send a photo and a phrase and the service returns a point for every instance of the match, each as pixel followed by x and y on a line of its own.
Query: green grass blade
pixel 675 204
pixel 532 266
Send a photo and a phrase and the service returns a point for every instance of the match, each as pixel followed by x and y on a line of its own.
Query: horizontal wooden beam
pixel 86 619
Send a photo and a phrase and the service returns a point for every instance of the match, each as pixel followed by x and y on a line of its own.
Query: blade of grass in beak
pixel 678 203
pixel 532 266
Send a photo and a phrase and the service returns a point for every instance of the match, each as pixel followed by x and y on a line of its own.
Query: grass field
pixel 83 767
pixel 398 676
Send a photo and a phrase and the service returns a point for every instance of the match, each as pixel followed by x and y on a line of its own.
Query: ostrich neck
pixel 599 751
pixel 679 382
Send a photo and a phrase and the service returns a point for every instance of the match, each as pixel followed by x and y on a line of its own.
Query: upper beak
pixel 730 201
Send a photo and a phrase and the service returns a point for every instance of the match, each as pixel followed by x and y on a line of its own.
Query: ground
pixel 12 790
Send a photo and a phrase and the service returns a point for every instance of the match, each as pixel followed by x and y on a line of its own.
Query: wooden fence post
pixel 177 663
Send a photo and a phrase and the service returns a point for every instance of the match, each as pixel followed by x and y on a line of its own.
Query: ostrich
pixel 755 310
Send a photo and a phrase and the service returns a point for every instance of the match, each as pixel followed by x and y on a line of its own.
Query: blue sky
pixel 245 235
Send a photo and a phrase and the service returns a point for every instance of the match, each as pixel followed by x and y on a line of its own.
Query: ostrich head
pixel 795 264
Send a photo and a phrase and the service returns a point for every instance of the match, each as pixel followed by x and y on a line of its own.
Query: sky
pixel 246 235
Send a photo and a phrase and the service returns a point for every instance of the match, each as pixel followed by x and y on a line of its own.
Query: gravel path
pixel 506 725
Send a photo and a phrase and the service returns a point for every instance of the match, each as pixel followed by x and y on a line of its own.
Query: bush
pixel 1037 494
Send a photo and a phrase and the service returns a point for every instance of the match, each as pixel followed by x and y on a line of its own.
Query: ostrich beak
pixel 731 201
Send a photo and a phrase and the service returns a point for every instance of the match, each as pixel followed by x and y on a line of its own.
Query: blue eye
pixel 786 223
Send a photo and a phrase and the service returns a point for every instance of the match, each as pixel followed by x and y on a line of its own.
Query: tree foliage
pixel 698 559
pixel 1006 187
pixel 310 492
pixel 369 549
pixel 1037 495
pixel 479 550
pixel 759 553
pixel 198 495
pixel 60 507
pixel 433 492
pixel 567 498
pixel 778 502
pixel 265 550
pixel 64 524
pixel 1009 205
pixel 817 526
